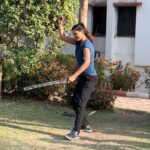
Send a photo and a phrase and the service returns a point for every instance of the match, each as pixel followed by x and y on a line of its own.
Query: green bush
pixel 28 68
pixel 124 78
pixel 55 66
pixel 47 72
pixel 103 96
pixel 18 63
pixel 35 20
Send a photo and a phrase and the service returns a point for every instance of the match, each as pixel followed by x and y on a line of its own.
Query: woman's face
pixel 78 35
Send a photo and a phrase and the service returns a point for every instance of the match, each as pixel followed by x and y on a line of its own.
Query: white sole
pixel 87 131
pixel 68 138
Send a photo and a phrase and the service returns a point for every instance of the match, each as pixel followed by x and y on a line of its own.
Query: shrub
pixel 23 26
pixel 46 73
pixel 56 66
pixel 124 78
pixel 103 96
pixel 28 68
pixel 18 63
pixel 35 20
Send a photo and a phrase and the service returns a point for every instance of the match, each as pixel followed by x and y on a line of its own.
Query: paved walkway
pixel 133 104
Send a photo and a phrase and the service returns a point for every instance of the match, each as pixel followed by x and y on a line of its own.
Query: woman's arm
pixel 62 33
pixel 83 67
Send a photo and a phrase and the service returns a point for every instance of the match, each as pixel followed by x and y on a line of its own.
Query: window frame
pixel 129 34
pixel 94 32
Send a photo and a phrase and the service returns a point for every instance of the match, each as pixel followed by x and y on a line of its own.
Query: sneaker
pixel 72 136
pixel 88 129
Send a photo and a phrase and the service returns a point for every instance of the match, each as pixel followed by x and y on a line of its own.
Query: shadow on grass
pixel 103 144
pixel 133 124
pixel 97 143
pixel 55 136
pixel 127 123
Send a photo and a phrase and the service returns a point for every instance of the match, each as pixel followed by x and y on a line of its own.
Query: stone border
pixel 131 94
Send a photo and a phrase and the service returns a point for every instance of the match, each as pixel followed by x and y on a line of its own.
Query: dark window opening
pixel 126 21
pixel 99 21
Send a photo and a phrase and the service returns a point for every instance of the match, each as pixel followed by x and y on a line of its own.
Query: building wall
pixel 142 40
pixel 117 48
pixel 111 46
pixel 133 50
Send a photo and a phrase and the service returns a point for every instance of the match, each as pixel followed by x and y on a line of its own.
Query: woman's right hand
pixel 60 19
pixel 61 31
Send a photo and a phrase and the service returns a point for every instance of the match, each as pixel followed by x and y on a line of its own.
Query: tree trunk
pixel 83 11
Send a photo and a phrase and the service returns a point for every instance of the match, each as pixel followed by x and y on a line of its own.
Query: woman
pixel 86 74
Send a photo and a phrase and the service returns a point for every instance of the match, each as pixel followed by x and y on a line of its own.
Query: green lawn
pixel 26 125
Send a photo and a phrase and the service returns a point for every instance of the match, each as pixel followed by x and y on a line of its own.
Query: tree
pixel 83 11
pixel 34 20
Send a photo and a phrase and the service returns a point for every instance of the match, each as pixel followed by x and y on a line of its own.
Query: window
pixel 99 21
pixel 126 21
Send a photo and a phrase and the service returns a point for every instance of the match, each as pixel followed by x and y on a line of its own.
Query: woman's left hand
pixel 71 78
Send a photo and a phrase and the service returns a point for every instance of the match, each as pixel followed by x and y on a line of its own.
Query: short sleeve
pixel 87 45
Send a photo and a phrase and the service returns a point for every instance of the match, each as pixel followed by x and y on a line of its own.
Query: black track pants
pixel 82 93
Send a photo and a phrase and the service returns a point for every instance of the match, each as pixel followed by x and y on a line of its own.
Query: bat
pixel 63 81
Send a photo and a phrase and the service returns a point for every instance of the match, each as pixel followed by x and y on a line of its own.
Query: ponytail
pixel 81 27
pixel 89 35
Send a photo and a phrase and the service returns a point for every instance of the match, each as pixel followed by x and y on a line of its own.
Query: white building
pixel 122 30
pixel 127 29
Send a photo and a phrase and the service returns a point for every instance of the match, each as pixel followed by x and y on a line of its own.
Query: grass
pixel 26 125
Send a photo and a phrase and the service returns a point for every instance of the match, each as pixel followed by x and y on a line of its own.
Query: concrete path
pixel 133 104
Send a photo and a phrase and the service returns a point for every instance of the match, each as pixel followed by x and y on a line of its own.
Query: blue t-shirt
pixel 79 53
